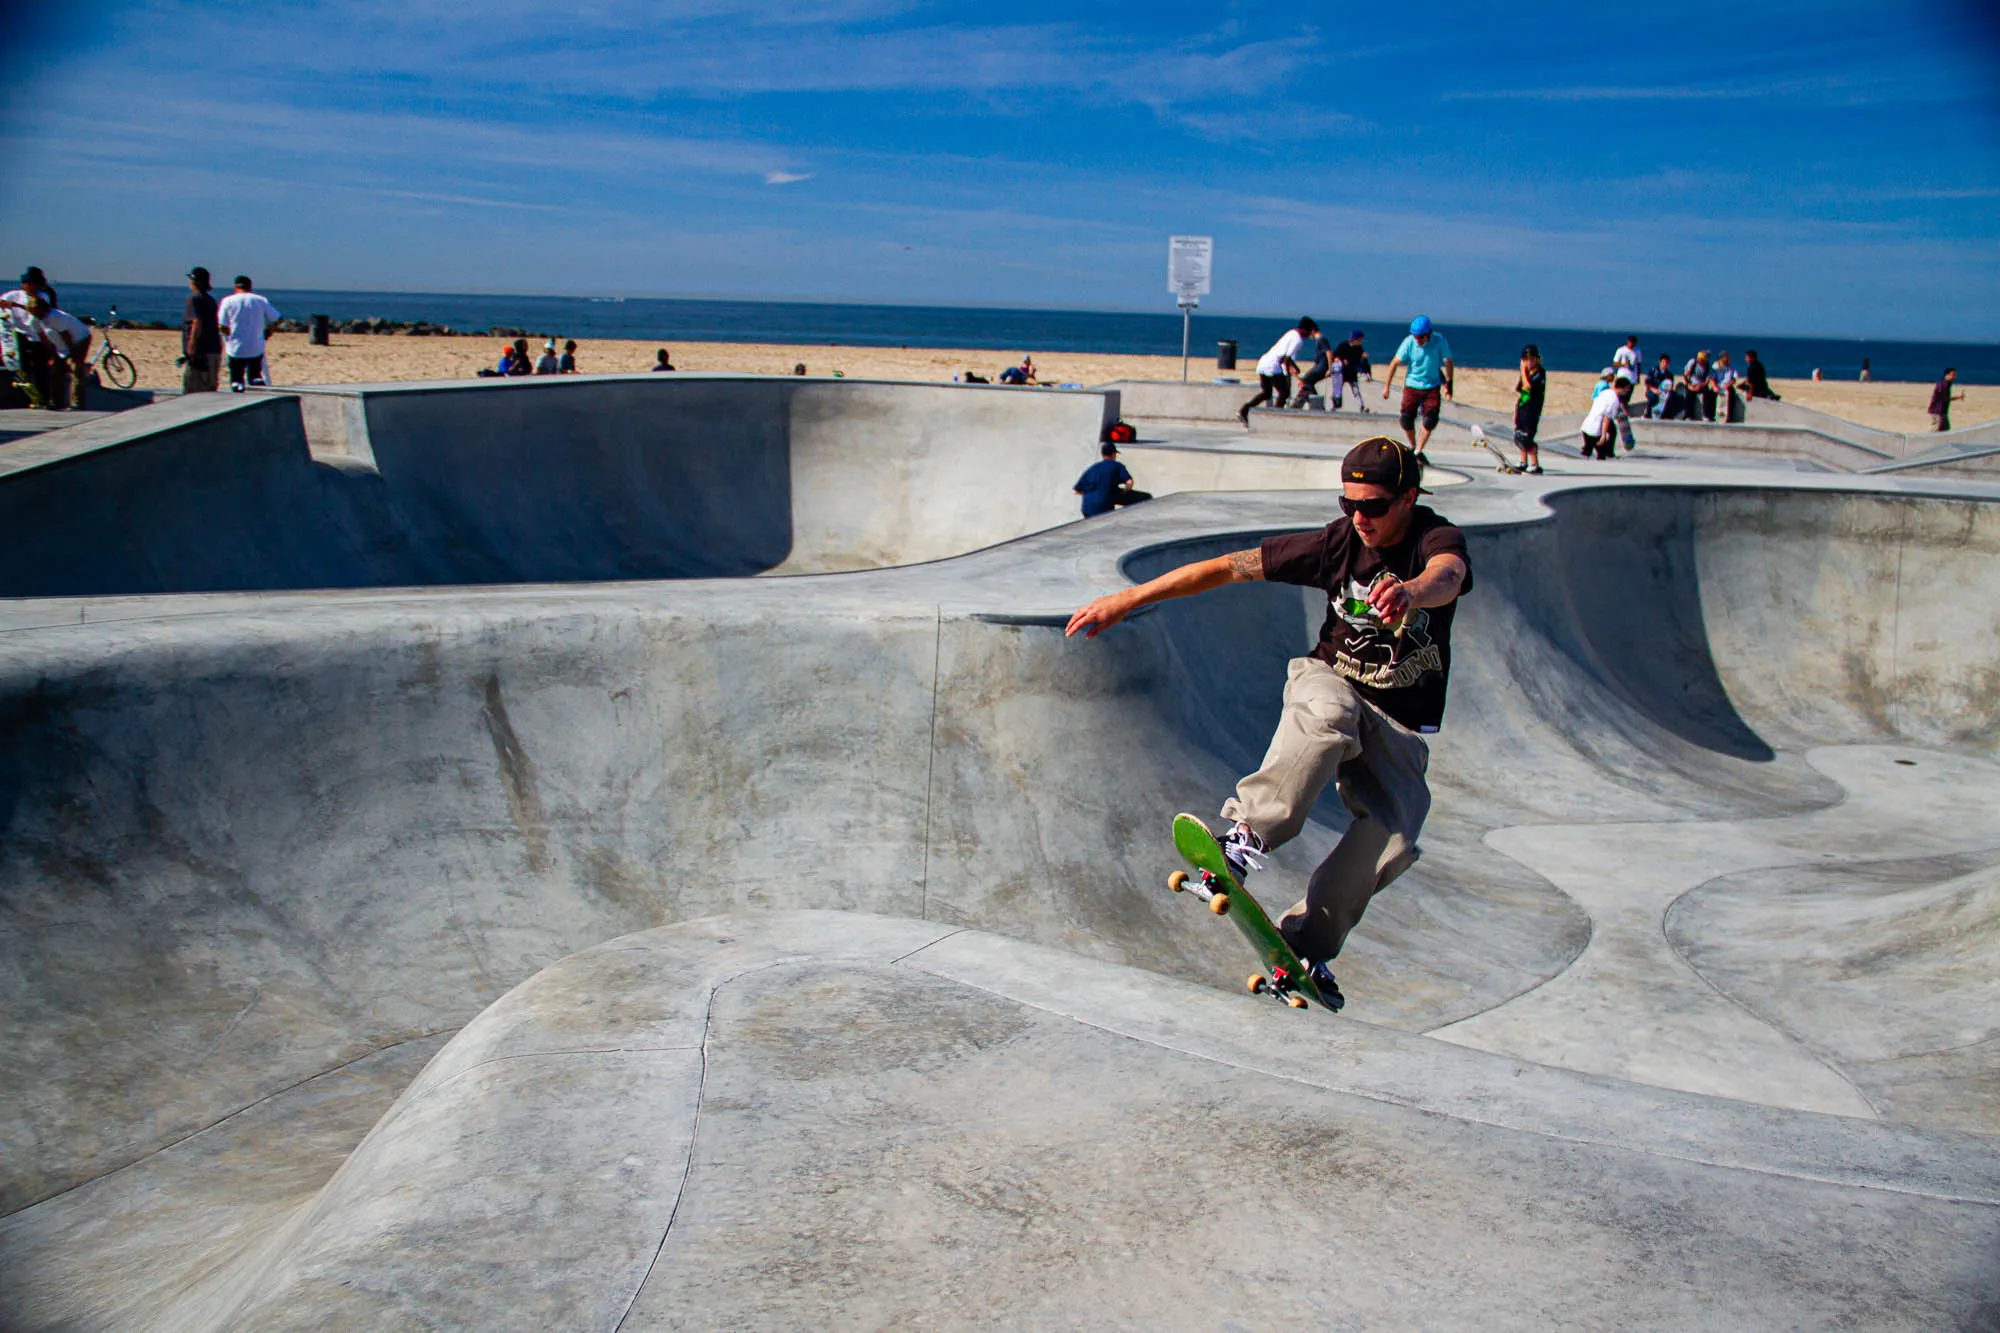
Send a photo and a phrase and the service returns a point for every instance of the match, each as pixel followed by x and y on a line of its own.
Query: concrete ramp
pixel 795 950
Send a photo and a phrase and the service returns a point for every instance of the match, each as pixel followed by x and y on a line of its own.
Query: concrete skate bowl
pixel 577 480
pixel 257 871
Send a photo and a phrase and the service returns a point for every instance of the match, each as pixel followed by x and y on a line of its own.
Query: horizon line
pixel 1618 331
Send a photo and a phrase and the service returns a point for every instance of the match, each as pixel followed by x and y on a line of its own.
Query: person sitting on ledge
pixel 1105 485
pixel 664 362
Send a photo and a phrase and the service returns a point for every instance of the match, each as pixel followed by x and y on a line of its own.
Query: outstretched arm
pixel 1108 610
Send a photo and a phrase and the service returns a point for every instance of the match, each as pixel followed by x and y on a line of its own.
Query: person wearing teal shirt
pixel 1428 356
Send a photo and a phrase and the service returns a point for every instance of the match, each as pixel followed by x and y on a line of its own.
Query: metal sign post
pixel 1188 262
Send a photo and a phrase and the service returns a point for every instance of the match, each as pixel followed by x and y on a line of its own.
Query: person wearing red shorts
pixel 1428 383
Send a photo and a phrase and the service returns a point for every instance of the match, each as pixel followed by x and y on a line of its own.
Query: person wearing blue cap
pixel 1428 356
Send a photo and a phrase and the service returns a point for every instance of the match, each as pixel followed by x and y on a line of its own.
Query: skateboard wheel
pixel 1219 904
pixel 1178 881
pixel 1256 983
pixel 1296 1000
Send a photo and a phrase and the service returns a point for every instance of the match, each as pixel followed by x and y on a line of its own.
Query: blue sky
pixel 1788 168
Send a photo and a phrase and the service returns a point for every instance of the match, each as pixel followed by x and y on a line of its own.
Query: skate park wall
pixel 581 479
pixel 238 853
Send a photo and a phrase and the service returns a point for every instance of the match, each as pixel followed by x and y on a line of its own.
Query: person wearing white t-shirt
pixel 1276 368
pixel 1630 359
pixel 27 354
pixel 245 318
pixel 68 340
pixel 1606 421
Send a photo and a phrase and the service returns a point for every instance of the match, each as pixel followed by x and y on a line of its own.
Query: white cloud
pixel 786 177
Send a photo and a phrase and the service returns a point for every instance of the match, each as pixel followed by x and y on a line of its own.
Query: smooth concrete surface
pixel 378 958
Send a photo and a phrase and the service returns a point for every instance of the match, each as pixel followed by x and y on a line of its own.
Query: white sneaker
pixel 1244 851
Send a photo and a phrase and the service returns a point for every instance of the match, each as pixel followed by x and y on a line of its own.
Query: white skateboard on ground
pixel 1479 440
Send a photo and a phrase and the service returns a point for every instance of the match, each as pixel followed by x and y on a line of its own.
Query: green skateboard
pixel 1284 976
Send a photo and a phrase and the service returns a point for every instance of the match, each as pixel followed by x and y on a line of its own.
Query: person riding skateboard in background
pixel 1352 359
pixel 1428 356
pixel 1357 707
pixel 1276 368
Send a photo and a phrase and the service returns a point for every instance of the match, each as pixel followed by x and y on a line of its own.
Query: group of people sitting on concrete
pixel 1701 388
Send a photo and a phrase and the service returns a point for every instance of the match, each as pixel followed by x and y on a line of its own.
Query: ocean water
pixel 1007 333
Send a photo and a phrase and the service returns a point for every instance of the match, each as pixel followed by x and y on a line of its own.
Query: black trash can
pixel 320 329
pixel 1225 354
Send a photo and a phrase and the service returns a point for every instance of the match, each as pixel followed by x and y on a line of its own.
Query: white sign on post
pixel 1188 259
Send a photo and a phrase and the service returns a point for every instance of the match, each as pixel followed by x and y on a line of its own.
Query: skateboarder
pixel 1428 355
pixel 1357 708
pixel 1276 368
pixel 1352 359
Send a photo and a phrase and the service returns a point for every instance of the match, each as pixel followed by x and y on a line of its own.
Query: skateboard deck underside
pixel 1200 850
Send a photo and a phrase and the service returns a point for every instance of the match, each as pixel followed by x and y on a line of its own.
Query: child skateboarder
pixel 1357 708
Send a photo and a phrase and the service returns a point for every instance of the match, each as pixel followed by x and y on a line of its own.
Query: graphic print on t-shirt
pixel 1371 653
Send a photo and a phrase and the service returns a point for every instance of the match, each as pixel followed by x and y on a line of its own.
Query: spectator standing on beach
pixel 1700 382
pixel 1351 358
pixel 1755 376
pixel 201 336
pixel 1629 359
pixel 1942 398
pixel 1606 420
pixel 1105 484
pixel 1866 376
pixel 246 318
pixel 567 366
pixel 1276 368
pixel 68 340
pixel 661 361
pixel 1530 388
pixel 1428 355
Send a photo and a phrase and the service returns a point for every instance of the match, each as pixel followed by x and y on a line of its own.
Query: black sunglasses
pixel 1374 508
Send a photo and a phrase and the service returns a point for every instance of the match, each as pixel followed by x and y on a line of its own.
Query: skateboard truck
pixel 1279 986
pixel 1205 887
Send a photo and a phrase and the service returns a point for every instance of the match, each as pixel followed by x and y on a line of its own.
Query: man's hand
pixel 1385 393
pixel 1390 599
pixel 1098 616
pixel 1245 566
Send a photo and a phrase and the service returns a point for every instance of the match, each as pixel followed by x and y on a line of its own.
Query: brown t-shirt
pixel 1404 677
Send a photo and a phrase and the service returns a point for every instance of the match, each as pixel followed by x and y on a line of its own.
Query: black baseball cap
pixel 1383 462
pixel 199 274
pixel 1531 350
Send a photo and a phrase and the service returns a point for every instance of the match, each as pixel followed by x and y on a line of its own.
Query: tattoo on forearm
pixel 1247 564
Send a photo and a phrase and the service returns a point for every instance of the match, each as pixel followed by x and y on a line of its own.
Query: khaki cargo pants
pixel 1328 732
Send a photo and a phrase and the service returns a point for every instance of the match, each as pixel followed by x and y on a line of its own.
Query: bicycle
pixel 113 367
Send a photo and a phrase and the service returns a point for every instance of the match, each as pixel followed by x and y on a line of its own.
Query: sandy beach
pixel 372 358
